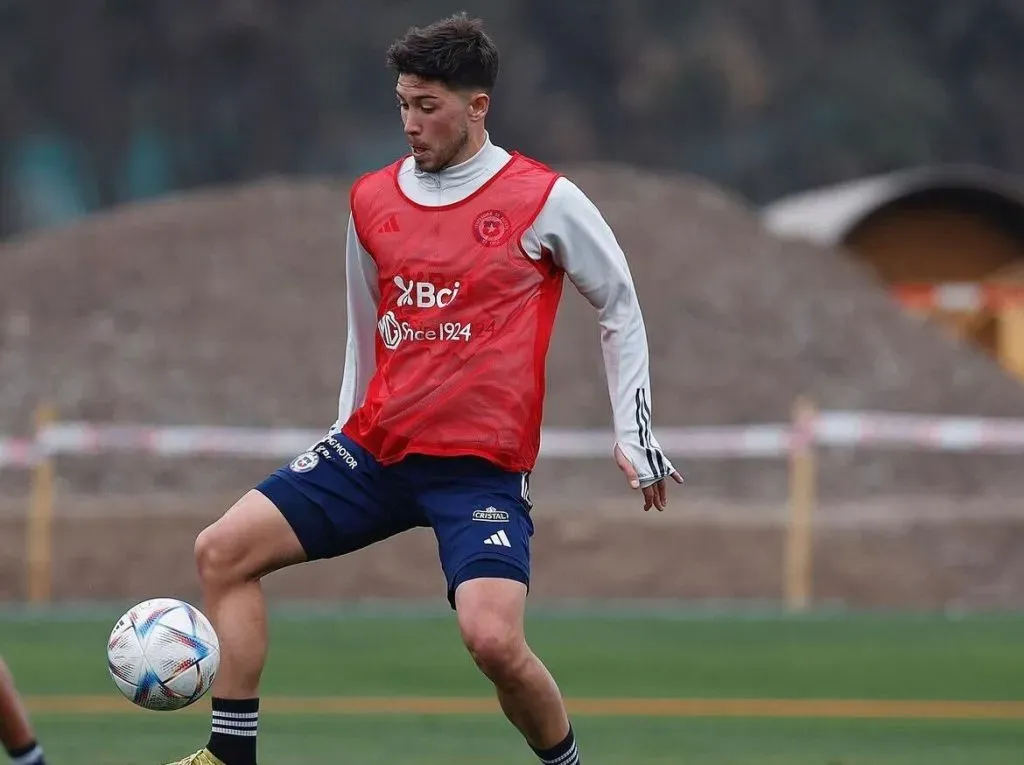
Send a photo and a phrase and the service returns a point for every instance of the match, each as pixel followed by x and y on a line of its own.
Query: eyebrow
pixel 417 98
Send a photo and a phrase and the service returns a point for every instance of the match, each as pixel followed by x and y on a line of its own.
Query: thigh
pixel 337 499
pixel 252 539
pixel 480 515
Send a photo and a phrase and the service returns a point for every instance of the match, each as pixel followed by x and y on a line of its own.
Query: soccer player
pixel 455 261
pixel 15 728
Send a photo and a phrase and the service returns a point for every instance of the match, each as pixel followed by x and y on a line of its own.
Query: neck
pixel 474 143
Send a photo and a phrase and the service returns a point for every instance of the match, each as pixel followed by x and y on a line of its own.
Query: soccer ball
pixel 163 654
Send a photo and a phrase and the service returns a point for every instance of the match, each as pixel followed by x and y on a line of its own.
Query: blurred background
pixel 105 102
pixel 822 203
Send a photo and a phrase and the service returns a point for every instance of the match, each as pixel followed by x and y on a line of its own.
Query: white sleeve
pixel 362 297
pixel 582 243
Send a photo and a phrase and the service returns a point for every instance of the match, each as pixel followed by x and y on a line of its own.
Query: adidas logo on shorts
pixel 499 538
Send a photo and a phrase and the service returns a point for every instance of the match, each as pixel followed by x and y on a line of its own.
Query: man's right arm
pixel 362 297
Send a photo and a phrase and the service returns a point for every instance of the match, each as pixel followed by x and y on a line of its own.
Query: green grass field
pixel 645 690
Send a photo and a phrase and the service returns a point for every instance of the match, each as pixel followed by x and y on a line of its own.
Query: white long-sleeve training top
pixel 572 230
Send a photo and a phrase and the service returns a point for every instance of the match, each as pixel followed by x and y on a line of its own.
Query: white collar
pixel 489 158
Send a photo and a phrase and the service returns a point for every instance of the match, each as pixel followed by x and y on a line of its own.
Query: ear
pixel 478 105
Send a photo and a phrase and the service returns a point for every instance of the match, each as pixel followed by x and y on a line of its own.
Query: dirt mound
pixel 576 556
pixel 227 307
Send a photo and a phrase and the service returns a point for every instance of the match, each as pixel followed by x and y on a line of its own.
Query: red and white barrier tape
pixel 828 428
pixel 17 452
pixel 959 296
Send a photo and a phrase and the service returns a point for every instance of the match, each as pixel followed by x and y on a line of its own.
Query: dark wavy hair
pixel 455 51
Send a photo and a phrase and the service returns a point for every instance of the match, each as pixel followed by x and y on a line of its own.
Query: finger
pixel 656 495
pixel 648 498
pixel 678 478
pixel 627 467
pixel 663 494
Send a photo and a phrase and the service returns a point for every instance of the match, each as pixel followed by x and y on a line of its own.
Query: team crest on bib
pixel 305 462
pixel 492 228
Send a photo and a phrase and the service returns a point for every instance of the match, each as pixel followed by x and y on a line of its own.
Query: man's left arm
pixel 582 243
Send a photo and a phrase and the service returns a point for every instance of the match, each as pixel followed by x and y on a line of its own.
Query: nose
pixel 412 126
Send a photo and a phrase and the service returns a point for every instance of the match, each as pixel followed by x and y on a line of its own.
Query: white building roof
pixel 827 215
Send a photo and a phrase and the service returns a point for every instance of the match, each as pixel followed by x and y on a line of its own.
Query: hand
pixel 657 493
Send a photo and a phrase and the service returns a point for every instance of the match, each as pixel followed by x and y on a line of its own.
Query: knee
pixel 219 558
pixel 498 648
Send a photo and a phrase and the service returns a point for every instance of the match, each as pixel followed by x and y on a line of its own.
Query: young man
pixel 455 261
pixel 15 728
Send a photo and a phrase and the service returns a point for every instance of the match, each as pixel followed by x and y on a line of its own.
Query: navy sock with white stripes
pixel 31 754
pixel 564 753
pixel 233 733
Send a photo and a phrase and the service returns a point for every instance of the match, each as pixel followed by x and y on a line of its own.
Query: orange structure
pixel 948 241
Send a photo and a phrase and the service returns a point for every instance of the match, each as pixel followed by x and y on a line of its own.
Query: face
pixel 438 121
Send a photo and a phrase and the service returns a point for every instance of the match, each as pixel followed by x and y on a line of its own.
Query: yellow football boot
pixel 202 757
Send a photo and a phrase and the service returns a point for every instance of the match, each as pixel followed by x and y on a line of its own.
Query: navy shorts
pixel 339 499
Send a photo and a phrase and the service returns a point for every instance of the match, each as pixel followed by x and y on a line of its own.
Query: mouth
pixel 418 151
